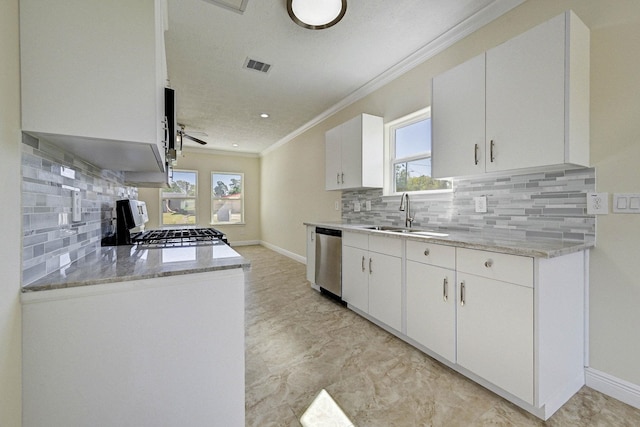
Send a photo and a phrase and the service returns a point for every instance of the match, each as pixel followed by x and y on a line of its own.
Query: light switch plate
pixel 481 204
pixel 598 203
pixel 628 203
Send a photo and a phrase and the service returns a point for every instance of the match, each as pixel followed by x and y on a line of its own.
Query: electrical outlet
pixel 597 203
pixel 337 205
pixel 356 206
pixel 481 204
pixel 367 205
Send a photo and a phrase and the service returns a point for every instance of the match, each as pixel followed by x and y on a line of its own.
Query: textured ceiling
pixel 312 71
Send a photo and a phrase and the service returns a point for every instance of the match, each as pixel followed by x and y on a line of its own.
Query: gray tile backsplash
pixel 539 205
pixel 51 240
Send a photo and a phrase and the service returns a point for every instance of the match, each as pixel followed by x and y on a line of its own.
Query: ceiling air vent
pixel 252 64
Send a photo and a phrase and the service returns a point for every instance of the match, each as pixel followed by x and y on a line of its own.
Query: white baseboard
pixel 245 243
pixel 622 390
pixel 284 252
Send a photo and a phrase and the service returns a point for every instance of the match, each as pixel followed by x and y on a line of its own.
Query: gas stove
pixel 183 237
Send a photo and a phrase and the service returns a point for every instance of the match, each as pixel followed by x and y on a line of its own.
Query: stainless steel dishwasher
pixel 329 260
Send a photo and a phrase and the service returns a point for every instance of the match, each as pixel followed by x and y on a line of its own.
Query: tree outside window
pixel 179 201
pixel 227 198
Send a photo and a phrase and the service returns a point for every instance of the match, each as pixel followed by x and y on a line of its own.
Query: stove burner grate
pixel 179 237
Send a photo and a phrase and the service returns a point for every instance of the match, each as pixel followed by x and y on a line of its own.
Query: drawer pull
pixel 363 263
pixel 462 296
pixel 426 252
pixel 445 289
pixel 488 263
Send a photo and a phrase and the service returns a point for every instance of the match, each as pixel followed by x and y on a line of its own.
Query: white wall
pixel 10 315
pixel 293 175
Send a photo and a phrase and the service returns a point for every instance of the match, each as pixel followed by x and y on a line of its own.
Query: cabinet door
pixel 526 99
pixel 351 153
pixel 355 277
pixel 495 333
pixel 431 310
pixel 311 254
pixel 385 289
pixel 458 120
pixel 333 162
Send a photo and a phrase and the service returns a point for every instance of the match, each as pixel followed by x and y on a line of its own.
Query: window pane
pixel 416 176
pixel 178 211
pixel 179 201
pixel 184 183
pixel 227 197
pixel 413 139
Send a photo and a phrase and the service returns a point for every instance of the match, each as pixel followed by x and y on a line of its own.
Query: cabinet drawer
pixel 507 268
pixel 428 253
pixel 386 245
pixel 356 240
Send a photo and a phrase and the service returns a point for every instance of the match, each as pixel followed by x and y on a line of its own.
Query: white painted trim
pixel 213 151
pixel 445 40
pixel 284 252
pixel 245 243
pixel 617 388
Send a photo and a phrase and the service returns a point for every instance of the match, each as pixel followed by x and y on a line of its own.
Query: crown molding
pixel 213 152
pixel 476 21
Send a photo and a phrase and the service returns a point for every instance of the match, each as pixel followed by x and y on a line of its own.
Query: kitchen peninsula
pixel 128 336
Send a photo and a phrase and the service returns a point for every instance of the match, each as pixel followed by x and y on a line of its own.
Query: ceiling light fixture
pixel 235 145
pixel 316 14
pixel 264 115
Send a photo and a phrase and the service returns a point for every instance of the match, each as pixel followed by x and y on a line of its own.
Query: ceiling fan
pixel 183 134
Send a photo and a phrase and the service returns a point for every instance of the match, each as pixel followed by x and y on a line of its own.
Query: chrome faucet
pixel 408 219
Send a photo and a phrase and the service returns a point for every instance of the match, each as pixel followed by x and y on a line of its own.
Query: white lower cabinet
pixel 311 254
pixel 495 333
pixel 431 297
pixel 372 276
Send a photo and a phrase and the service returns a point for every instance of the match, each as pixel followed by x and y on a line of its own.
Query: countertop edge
pixel 554 248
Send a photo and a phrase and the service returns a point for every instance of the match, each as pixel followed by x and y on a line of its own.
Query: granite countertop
pixel 513 245
pixel 124 263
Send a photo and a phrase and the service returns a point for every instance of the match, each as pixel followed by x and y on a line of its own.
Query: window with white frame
pixel 227 198
pixel 179 201
pixel 409 166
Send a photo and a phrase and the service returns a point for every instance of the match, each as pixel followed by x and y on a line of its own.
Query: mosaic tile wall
pixel 51 240
pixel 540 205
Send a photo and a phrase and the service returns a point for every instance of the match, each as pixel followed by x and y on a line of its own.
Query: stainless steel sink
pixel 385 228
pixel 393 229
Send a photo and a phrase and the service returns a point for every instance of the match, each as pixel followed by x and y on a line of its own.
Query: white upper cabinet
pixel 93 76
pixel 534 110
pixel 458 120
pixel 354 154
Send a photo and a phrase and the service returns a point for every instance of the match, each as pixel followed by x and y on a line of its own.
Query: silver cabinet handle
pixel 462 292
pixel 370 270
pixel 426 252
pixel 363 263
pixel 343 177
pixel 445 289
pixel 475 154
pixel 488 263
pixel 338 178
pixel 491 151
pixel 313 233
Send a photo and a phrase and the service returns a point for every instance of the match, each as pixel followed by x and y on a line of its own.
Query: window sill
pixel 446 195
pixel 218 224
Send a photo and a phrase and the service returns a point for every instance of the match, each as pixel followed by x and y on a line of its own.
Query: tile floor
pixel 299 342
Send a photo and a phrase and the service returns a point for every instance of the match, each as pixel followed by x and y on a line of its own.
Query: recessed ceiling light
pixel 264 115
pixel 235 145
